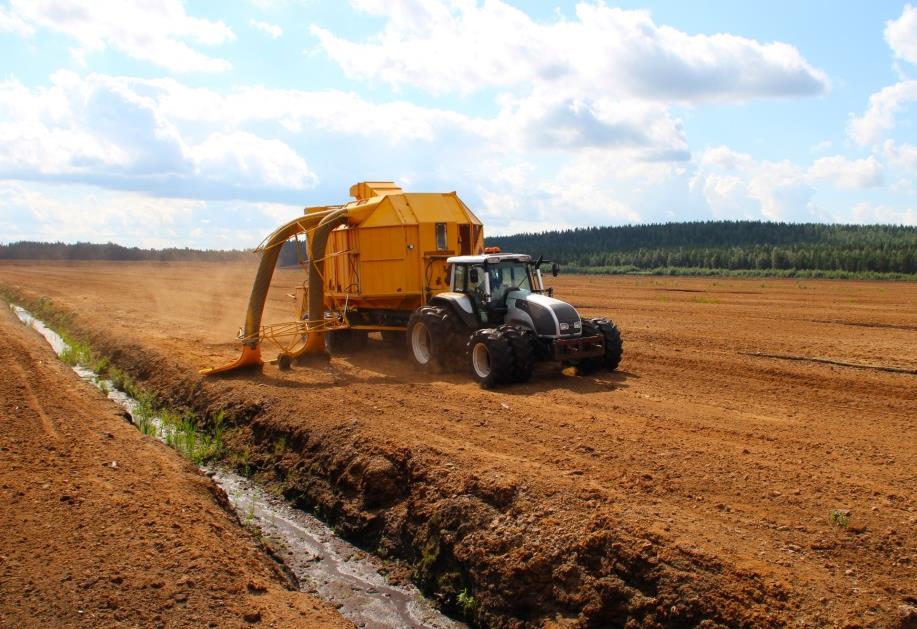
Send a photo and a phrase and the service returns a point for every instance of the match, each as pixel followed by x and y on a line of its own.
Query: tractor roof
pixel 490 258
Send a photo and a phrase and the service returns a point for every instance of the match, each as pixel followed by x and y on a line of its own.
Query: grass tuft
pixel 468 604
pixel 839 518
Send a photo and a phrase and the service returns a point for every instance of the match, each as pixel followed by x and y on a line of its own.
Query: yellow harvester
pixel 413 266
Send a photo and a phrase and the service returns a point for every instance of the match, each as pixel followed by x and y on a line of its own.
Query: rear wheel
pixel 425 338
pixel 611 338
pixel 522 342
pixel 347 341
pixel 491 357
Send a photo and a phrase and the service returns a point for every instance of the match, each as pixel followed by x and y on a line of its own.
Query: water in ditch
pixel 324 564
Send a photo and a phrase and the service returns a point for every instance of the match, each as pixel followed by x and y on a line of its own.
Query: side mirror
pixel 473 276
pixel 555 269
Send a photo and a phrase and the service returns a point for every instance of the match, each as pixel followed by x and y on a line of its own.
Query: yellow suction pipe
pixel 315 342
pixel 270 251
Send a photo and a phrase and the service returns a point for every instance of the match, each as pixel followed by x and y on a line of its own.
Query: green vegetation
pixel 741 248
pixel 144 412
pixel 76 354
pixel 468 605
pixel 839 519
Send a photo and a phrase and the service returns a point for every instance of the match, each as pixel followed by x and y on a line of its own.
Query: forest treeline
pixel 27 250
pixel 698 248
pixel 740 247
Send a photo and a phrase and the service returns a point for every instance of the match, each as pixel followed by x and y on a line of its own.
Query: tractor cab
pixel 488 280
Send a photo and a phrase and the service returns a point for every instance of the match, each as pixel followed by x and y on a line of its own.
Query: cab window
pixel 507 275
pixel 459 278
pixel 476 287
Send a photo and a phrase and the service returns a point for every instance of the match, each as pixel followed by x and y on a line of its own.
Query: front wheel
pixel 491 357
pixel 522 342
pixel 611 338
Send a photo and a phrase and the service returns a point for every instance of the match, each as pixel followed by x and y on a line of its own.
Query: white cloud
pixel 157 32
pixel 879 116
pixel 114 132
pixel 725 157
pixel 328 110
pixel 10 23
pixel 867 212
pixel 593 186
pixel 847 174
pixel 461 46
pixel 271 30
pixel 242 159
pixel 97 216
pixel 728 197
pixel 735 184
pixel 886 104
pixel 77 212
pixel 901 34
pixel 822 147
pixel 903 156
pixel 782 191
pixel 280 213
pixel 557 122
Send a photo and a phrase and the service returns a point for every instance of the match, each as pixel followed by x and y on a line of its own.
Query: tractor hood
pixel 547 316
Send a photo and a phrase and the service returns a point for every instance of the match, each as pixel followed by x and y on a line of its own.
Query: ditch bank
pixel 496 549
pixel 316 560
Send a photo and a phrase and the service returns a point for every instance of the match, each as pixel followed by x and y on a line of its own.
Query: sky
pixel 160 123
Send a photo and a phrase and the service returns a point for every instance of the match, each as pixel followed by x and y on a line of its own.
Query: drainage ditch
pixel 323 563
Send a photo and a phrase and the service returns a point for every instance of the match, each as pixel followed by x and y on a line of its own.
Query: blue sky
pixel 206 124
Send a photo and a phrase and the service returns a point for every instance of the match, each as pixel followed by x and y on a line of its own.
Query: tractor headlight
pixel 577 325
pixel 564 326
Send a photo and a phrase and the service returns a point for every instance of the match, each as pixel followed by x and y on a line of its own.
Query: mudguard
pixel 460 305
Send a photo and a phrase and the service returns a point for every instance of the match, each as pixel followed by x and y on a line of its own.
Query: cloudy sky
pixel 205 124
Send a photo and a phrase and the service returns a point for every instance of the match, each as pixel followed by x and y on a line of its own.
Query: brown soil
pixel 695 483
pixel 103 527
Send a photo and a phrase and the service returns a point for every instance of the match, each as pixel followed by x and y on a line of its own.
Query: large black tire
pixel 343 342
pixel 491 357
pixel 455 337
pixel 522 342
pixel 614 346
pixel 427 338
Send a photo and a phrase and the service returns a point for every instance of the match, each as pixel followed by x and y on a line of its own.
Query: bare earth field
pixel 694 484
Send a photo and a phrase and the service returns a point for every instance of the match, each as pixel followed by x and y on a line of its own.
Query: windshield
pixel 506 275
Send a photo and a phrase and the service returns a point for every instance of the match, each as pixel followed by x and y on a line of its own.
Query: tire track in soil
pixel 23 377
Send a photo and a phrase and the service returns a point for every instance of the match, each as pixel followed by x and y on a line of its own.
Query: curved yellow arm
pixel 322 222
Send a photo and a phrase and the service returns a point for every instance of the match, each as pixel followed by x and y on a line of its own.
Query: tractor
pixel 499 319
